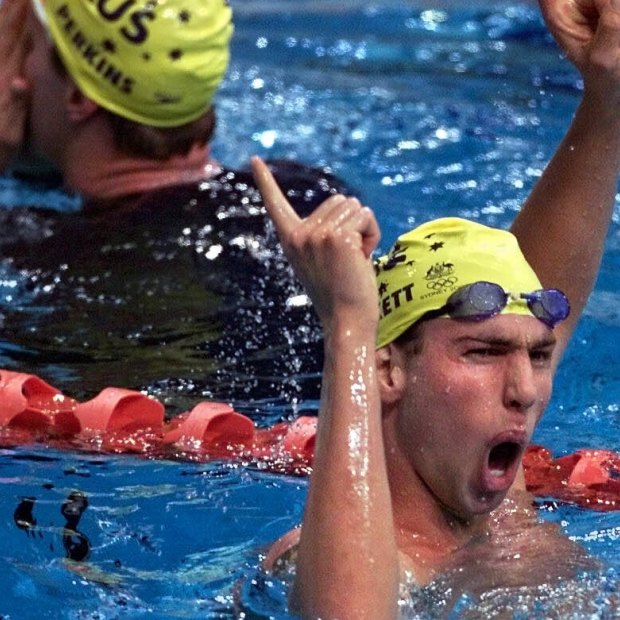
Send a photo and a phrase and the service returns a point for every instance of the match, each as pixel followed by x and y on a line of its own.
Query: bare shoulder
pixel 283 552
pixel 281 558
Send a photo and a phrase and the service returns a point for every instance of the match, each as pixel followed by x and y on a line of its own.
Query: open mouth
pixel 503 457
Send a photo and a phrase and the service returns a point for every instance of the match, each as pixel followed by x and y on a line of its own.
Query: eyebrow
pixel 548 340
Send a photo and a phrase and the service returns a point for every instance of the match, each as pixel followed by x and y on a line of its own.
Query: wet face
pixel 47 120
pixel 472 399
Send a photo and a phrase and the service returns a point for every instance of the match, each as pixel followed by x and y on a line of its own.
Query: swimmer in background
pixel 118 98
pixel 428 402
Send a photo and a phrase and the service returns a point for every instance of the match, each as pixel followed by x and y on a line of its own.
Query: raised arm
pixel 563 224
pixel 13 87
pixel 347 563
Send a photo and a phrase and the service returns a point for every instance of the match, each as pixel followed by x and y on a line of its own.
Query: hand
pixel 588 31
pixel 330 250
pixel 14 88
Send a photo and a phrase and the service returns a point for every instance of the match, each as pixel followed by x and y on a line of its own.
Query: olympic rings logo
pixel 441 283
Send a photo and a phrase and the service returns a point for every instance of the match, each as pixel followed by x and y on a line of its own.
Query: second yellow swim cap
pixel 157 62
pixel 426 265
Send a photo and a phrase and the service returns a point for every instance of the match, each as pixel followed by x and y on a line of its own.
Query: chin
pixel 485 504
pixel 477 505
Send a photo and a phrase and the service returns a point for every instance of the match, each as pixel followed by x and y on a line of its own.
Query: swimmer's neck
pixel 101 174
pixel 427 533
pixel 431 524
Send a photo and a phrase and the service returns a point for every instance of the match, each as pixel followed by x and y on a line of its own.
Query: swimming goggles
pixel 482 300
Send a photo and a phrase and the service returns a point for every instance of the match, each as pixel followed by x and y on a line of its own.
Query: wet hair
pixel 159 143
pixel 145 141
pixel 413 337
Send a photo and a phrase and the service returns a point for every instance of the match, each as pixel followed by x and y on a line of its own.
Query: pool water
pixel 425 112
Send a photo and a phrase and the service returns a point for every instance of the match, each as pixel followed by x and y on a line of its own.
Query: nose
pixel 520 387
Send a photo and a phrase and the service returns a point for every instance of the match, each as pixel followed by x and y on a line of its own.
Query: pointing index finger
pixel 276 204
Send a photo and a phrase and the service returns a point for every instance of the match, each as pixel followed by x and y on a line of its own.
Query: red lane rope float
pixel 118 420
pixel 126 421
pixel 28 403
pixel 589 478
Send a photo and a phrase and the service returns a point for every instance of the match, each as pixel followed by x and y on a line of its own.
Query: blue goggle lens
pixel 482 300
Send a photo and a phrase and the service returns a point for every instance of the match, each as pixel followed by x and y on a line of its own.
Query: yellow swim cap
pixel 426 265
pixel 157 62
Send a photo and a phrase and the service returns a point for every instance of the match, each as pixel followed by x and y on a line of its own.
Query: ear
pixel 391 373
pixel 79 107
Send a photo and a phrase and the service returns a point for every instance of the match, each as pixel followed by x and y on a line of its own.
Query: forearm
pixel 347 562
pixel 348 565
pixel 563 224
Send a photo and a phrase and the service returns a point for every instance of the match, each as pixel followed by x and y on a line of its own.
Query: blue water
pixel 426 112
